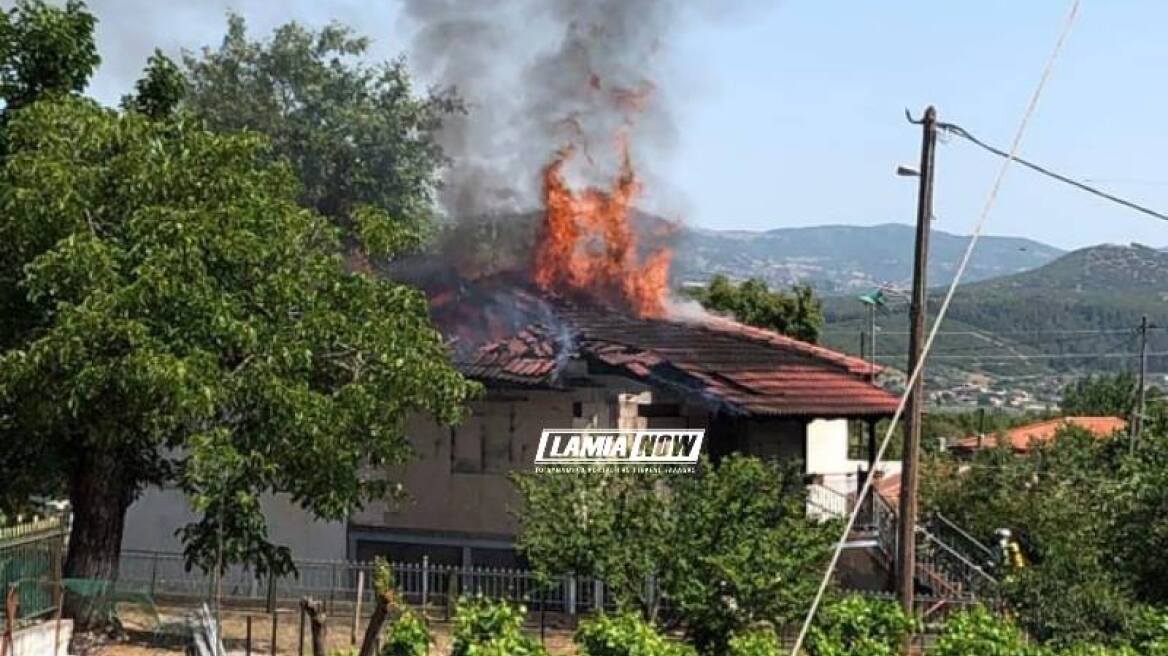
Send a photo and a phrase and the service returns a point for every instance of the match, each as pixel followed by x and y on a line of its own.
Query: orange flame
pixel 587 244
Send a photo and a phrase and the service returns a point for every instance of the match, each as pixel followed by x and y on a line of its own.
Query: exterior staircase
pixel 953 568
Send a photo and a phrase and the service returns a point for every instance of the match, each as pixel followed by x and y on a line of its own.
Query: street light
pixel 872 300
pixel 907 171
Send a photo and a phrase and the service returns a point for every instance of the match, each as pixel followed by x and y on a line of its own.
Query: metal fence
pixel 165 576
pixel 31 555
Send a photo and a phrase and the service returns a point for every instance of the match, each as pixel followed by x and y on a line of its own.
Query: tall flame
pixel 587 243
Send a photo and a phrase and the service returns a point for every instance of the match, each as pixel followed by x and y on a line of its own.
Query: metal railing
pixel 825 503
pixel 164 576
pixel 31 555
pixel 960 540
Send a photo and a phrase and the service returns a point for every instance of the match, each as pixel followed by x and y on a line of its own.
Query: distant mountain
pixel 839 259
pixel 1088 302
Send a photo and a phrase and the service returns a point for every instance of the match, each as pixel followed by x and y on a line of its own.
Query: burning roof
pixel 739 368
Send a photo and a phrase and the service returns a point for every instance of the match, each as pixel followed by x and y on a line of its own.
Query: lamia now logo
pixel 618 447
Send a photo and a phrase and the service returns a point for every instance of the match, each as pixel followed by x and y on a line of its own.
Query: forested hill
pixel 1087 302
pixel 845 259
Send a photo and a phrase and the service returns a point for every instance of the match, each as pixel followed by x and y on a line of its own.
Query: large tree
pixel 190 322
pixel 354 133
pixel 175 315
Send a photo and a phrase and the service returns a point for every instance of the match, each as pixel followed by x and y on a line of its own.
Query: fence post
pixel 597 595
pixel 247 645
pixel 572 594
pixel 425 582
pixel 300 634
pixel 451 591
pixel 332 603
pixel 272 646
pixel 153 573
pixel 357 606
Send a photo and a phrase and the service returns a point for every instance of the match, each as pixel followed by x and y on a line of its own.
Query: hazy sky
pixel 793 111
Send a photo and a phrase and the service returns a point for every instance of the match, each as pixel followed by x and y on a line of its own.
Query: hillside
pixel 845 259
pixel 1086 303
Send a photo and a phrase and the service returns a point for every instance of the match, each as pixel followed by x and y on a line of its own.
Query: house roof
pixel 1022 438
pixel 744 369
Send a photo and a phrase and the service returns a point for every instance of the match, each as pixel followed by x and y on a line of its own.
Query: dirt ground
pixel 150 636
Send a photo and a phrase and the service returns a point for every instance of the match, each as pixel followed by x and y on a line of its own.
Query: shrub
pixel 487 628
pixel 409 636
pixel 757 642
pixel 857 626
pixel 625 635
pixel 978 632
pixel 1148 632
pixel 1097 650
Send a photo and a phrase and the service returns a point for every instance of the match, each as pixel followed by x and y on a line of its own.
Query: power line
pixel 992 333
pixel 965 134
pixel 1036 356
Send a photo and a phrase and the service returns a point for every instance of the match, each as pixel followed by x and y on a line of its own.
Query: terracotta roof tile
pixel 750 370
pixel 1022 438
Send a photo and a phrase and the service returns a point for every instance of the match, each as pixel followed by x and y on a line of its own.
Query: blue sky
pixel 792 112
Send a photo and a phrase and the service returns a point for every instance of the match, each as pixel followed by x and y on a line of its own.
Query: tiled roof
pixel 1022 438
pixel 745 369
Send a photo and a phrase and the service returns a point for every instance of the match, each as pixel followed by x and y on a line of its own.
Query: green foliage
pixel 354 134
pixel 409 636
pixel 743 550
pixel 856 626
pixel 798 313
pixel 756 642
pixel 160 90
pixel 625 634
pixel 1100 396
pixel 491 628
pixel 1089 515
pixel 610 525
pixel 45 51
pixel 978 632
pixel 173 315
pixel 1148 632
pixel 730 545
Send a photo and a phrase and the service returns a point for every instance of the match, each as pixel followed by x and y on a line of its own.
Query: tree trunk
pixel 100 496
pixel 318 622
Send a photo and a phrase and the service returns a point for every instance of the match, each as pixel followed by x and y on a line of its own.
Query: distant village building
pixel 1023 438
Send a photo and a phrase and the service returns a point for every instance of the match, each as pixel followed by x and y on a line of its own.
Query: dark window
pixel 409 552
pixel 658 410
pixel 497 558
pixel 857 440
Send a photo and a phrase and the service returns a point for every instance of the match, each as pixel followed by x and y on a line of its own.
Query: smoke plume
pixel 538 75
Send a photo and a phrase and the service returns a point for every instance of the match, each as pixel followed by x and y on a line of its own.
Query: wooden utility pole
pixel 910 473
pixel 1141 405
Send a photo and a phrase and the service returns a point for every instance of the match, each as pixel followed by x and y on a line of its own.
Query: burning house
pixel 590 338
pixel 581 364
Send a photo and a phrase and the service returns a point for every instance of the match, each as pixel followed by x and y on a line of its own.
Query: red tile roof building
pixel 1022 438
pixel 746 370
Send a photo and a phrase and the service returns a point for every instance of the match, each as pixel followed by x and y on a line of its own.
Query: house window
pixel 654 410
pixel 857 440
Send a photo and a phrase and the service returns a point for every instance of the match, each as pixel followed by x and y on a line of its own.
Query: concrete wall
pixel 39 639
pixel 827 447
pixel 155 517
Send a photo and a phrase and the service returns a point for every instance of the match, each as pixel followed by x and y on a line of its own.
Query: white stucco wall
pixel 827 447
pixel 827 456
pixel 152 522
